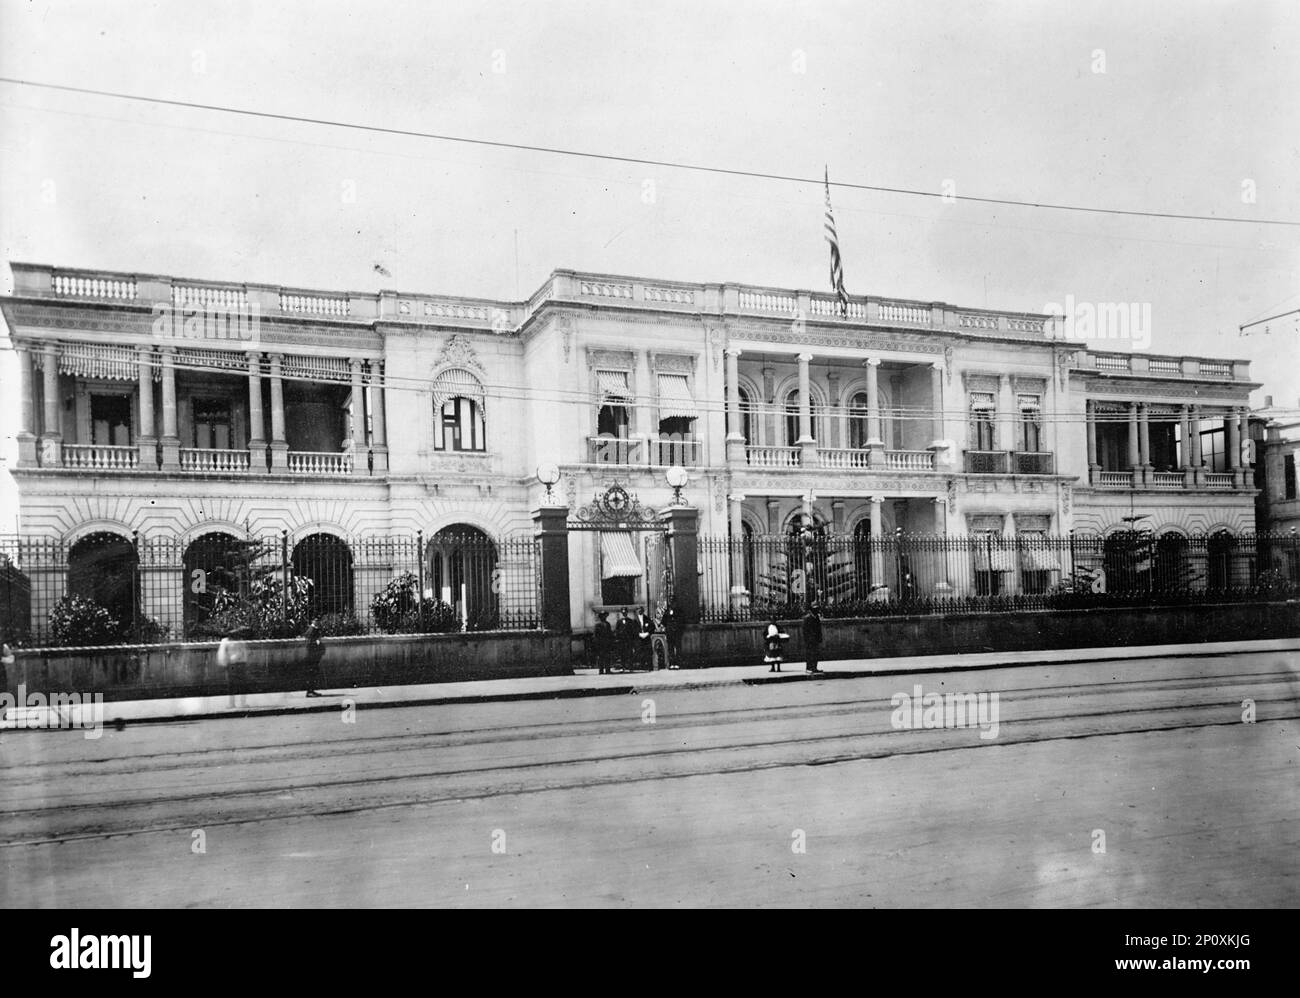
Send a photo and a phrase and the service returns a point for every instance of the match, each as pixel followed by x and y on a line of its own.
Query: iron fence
pixel 756 577
pixel 107 588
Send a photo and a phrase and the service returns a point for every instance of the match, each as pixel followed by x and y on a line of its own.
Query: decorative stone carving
pixel 947 362
pixel 611 360
pixel 457 352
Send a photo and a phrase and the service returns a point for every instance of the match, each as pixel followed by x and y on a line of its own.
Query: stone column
pixel 645 429
pixel 378 415
pixel 735 438
pixel 1233 439
pixel 1198 467
pixel 1144 440
pixel 1090 407
pixel 1185 451
pixel 27 409
pixel 1134 457
pixel 877 553
pixel 551 529
pixel 1243 434
pixel 770 414
pixel 834 412
pixel 357 426
pixel 808 455
pixel 256 418
pixel 279 448
pixel 735 507
pixel 875 445
pixel 683 544
pixel 147 441
pixel 171 440
pixel 936 404
pixel 52 437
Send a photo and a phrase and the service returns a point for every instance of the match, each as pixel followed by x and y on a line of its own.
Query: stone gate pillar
pixel 552 531
pixel 683 542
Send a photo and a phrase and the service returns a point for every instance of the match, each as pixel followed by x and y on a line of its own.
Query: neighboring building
pixel 1276 433
pixel 190 408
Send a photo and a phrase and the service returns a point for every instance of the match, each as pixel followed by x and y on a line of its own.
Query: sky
pixel 1186 107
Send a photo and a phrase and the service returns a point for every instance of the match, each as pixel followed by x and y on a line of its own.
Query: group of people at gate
pixel 629 644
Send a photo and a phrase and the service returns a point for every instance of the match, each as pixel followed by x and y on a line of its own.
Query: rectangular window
pixel 1031 424
pixel 982 409
pixel 1289 476
pixel 212 424
pixel 110 420
pixel 1213 452
pixel 459 426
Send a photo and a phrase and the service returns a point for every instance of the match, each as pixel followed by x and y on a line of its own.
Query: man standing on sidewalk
pixel 315 652
pixel 812 637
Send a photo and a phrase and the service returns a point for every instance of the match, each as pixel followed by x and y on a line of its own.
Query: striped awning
pixel 332 369
pixel 618 556
pixel 226 360
pixel 94 360
pixel 457 383
pixel 675 397
pixel 1036 559
pixel 612 383
pixel 996 559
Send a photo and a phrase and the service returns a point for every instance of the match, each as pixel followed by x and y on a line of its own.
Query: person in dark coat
pixel 812 636
pixel 645 627
pixel 315 652
pixel 602 643
pixel 672 628
pixel 625 640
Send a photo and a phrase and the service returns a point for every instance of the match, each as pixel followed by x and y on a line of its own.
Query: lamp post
pixel 548 475
pixel 677 478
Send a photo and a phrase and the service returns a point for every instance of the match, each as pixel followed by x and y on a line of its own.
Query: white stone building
pixel 167 406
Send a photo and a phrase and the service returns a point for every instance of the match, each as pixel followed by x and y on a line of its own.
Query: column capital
pixel 355 363
pixel 733 351
pixel 167 350
pixel 871 362
pixel 880 499
pixel 142 350
pixel 737 497
pixel 804 358
pixel 254 356
pixel 937 367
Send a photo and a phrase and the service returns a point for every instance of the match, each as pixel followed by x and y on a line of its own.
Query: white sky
pixel 1001 98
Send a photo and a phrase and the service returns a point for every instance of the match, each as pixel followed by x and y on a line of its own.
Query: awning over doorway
pixel 618 556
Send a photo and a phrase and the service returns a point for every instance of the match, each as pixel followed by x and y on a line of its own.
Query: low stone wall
pixel 888 637
pixel 149 671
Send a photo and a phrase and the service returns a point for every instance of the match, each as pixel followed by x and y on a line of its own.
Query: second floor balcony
pixel 1000 462
pixel 657 451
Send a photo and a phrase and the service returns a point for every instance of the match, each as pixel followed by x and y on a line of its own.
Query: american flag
pixel 837 269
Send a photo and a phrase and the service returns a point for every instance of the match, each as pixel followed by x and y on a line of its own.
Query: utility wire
pixel 639 161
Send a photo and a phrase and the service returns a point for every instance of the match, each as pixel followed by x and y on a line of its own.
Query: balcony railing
pixel 1114 479
pixel 101 456
pixel 843 457
pixel 609 449
pixel 986 462
pixel 670 451
pixel 212 459
pixel 1167 480
pixel 773 457
pixel 306 462
pixel 1033 462
pixel 1214 480
pixel 909 460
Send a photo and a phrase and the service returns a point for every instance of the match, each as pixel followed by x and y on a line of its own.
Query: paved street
pixel 801 792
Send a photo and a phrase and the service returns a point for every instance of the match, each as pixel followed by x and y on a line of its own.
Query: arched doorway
pixel 102 567
pixel 462 562
pixel 1220 548
pixel 1171 571
pixel 327 561
pixel 214 563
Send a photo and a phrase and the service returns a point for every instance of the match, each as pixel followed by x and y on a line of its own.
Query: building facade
pixel 152 405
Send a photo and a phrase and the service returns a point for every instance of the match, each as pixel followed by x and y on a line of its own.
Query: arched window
pixel 458 403
pixel 327 562
pixel 214 563
pixel 461 562
pixel 102 568
pixel 792 418
pixel 858 421
pixel 747 424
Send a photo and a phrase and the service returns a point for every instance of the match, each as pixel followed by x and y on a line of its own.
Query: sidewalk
pixel 586 682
